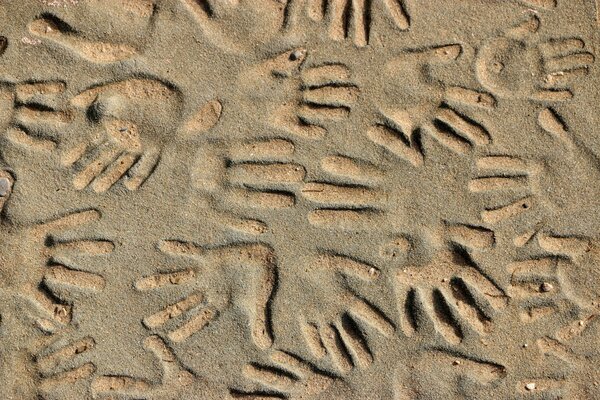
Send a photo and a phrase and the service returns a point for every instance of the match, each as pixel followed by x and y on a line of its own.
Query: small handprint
pixel 522 65
pixel 330 330
pixel 206 301
pixel 345 18
pixel 299 98
pixel 291 377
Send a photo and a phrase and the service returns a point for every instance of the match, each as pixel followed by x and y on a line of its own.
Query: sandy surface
pixel 301 199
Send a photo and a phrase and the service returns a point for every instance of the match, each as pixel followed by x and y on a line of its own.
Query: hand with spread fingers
pixel 207 295
pixel 328 313
pixel 299 97
pixel 127 133
pixel 521 65
pixel 346 18
pixel 407 111
pixel 256 173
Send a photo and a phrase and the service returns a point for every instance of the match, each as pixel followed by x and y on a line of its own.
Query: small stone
pixel 546 287
pixel 296 55
pixel 525 345
pixel 445 280
pixel 456 362
pixel 530 386
pixel 581 323
pixel 4 187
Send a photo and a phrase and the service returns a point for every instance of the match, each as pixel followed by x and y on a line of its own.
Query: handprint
pixel 332 329
pixel 256 21
pixel 176 382
pixel 448 294
pixel 356 202
pixel 409 110
pixel 34 113
pixel 49 264
pixel 133 121
pixel 521 65
pixel 345 18
pixel 129 23
pixel 291 377
pixel 299 98
pixel 206 299
pixel 254 173
pixel 554 261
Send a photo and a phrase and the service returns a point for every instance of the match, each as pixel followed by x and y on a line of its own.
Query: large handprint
pixel 522 65
pixel 409 110
pixel 207 298
pixel 124 128
pixel 130 132
pixel 330 329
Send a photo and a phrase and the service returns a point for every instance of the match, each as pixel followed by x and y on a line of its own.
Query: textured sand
pixel 299 199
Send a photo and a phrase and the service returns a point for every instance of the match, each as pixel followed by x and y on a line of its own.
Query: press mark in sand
pixel 328 95
pixel 52 365
pixel 511 176
pixel 57 269
pixel 345 342
pixel 174 377
pixel 541 3
pixel 54 29
pixel 352 203
pixel 345 18
pixel 457 299
pixel 257 173
pixel 200 313
pixel 3 44
pixel 399 132
pixel 287 376
pixel 34 112
pixel 552 123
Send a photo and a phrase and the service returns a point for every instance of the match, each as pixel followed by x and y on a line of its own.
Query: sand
pixel 299 199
